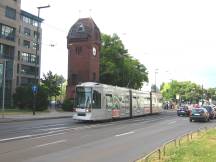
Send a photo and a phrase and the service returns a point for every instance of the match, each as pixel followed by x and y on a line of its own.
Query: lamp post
pixel 34 88
pixel 3 88
pixel 156 71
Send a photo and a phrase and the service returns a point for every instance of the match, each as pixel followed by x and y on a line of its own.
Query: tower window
pixel 81 28
pixel 73 79
pixel 78 50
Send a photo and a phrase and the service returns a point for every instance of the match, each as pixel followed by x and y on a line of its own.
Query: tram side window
pixel 109 101
pixel 96 103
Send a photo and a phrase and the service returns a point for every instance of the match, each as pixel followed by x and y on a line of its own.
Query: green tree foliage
pixel 52 84
pixel 23 98
pixel 211 93
pixel 117 67
pixel 187 91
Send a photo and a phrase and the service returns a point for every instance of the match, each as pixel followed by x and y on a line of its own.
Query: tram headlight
pixel 88 110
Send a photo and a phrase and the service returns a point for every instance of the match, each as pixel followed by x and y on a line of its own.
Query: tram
pixel 96 101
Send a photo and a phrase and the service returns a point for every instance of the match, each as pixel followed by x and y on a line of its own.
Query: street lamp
pixel 156 71
pixel 3 87
pixel 34 88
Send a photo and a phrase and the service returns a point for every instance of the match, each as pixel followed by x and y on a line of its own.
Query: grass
pixel 200 149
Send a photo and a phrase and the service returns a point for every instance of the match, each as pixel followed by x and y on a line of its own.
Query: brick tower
pixel 83 43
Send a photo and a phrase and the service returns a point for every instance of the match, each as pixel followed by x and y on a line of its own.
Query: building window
pixel 28 70
pixel 28 58
pixel 74 79
pixel 34 45
pixel 80 28
pixel 18 55
pixel 10 13
pixel 18 68
pixel 78 50
pixel 26 81
pixel 7 32
pixel 26 44
pixel 35 35
pixel 30 21
pixel 27 32
pixel 6 51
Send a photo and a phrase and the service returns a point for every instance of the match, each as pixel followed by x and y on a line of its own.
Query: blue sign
pixel 34 89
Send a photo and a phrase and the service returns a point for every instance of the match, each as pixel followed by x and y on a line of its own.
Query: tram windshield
pixel 83 97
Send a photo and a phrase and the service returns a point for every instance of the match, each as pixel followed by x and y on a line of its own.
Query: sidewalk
pixel 37 116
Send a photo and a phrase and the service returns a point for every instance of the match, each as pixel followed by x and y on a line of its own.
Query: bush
pixel 67 105
pixel 23 98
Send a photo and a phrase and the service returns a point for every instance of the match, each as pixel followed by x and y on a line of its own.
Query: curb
pixel 10 120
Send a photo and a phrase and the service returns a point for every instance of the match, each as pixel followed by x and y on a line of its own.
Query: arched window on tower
pixel 81 28
pixel 78 50
pixel 74 78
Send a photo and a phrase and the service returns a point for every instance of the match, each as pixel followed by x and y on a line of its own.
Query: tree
pixel 117 67
pixel 52 84
pixel 187 91
pixel 60 81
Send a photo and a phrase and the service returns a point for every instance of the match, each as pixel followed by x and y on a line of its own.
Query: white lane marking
pixel 14 138
pixel 29 136
pixel 123 134
pixel 51 125
pixel 51 143
pixel 47 135
pixel 50 129
pixel 171 122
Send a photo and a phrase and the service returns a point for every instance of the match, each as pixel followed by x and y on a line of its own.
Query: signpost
pixel 34 91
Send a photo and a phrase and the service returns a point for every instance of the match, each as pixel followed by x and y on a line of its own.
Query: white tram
pixel 95 101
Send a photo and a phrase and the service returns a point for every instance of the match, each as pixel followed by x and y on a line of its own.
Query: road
pixel 64 140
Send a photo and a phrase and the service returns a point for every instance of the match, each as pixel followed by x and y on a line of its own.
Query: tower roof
pixel 84 29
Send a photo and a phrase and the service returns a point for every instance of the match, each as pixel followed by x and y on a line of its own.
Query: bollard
pixel 164 150
pixel 159 154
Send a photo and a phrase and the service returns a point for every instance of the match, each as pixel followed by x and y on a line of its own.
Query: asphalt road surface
pixel 64 140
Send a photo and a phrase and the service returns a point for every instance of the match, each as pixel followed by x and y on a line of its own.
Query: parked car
pixel 199 114
pixel 211 111
pixel 183 111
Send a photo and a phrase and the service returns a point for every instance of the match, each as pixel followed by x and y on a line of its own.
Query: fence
pixel 159 154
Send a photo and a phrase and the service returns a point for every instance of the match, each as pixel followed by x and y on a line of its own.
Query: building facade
pixel 83 42
pixel 18 43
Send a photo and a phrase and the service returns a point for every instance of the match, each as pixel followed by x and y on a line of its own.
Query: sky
pixel 174 39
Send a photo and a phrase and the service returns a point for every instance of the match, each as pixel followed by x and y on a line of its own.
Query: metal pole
pixel 156 70
pixel 36 59
pixel 155 83
pixel 3 90
pixel 37 46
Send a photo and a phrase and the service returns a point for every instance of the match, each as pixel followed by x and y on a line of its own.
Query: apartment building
pixel 18 43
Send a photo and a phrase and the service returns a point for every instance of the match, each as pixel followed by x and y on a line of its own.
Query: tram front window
pixel 83 97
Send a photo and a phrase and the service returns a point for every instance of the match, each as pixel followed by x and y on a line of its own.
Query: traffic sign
pixel 34 89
